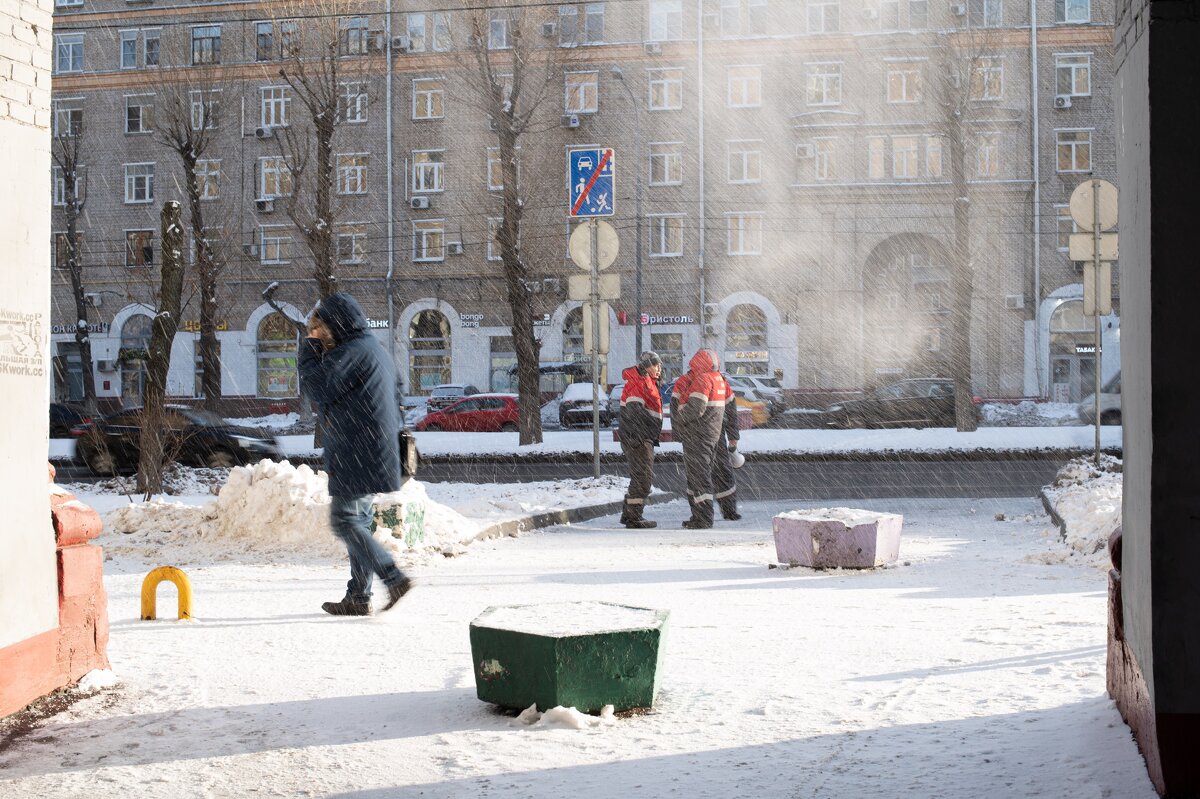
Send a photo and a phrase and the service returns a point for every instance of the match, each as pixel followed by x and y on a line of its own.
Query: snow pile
pixel 177 480
pixel 1087 498
pixel 566 718
pixel 97 680
pixel 274 421
pixel 851 517
pixel 508 501
pixel 1028 414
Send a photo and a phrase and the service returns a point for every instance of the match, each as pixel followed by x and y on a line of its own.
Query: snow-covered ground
pixel 973 667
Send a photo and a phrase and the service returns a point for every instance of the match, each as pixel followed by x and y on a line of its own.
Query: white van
pixel 1110 403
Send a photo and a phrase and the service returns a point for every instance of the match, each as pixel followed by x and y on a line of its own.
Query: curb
pixel 1054 517
pixel 514 527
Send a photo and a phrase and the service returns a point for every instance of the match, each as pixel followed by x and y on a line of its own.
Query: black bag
pixel 410 458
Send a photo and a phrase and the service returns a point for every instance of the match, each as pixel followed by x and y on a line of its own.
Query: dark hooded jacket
pixel 354 386
pixel 641 407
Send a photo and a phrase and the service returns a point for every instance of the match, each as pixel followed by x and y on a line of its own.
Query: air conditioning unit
pixel 551 284
pixel 549 29
pixel 264 133
pixel 570 120
pixel 710 310
pixel 106 366
pixel 653 48
pixel 454 248
pixel 250 250
pixel 959 10
pixel 401 43
pixel 94 300
pixel 265 206
pixel 1014 302
pixel 804 151
pixel 710 330
pixel 870 13
pixel 419 203
pixel 1062 101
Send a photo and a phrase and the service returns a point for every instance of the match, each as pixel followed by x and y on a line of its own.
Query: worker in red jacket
pixel 697 415
pixel 724 487
pixel 640 427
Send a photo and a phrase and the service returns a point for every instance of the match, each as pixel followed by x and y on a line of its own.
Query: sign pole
pixel 1096 310
pixel 595 300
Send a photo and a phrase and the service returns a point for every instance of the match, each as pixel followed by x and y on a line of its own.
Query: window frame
pixel 749 162
pixel 665 21
pixel 354 97
pixel 660 229
pixel 354 35
pixel 430 96
pixel 671 160
pixel 743 231
pixel 132 185
pixel 147 244
pixel 1074 147
pixel 277 168
pixel 199 48
pixel 911 84
pixel 279 242
pixel 580 89
pixel 351 175
pixel 71 44
pixel 209 176
pixel 1063 64
pixel 423 230
pixel 356 233
pixel 830 83
pixel 827 17
pixel 278 103
pixel 436 168
pixel 668 86
pixel 747 85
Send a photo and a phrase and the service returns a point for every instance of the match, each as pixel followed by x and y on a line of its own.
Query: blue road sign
pixel 590 173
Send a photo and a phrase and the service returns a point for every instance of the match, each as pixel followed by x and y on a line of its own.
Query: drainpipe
pixel 700 144
pixel 391 241
pixel 1039 366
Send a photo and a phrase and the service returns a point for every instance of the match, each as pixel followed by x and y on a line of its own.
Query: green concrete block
pixel 576 654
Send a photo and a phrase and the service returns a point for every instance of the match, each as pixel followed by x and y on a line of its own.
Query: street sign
pixel 1082 247
pixel 579 287
pixel 587 328
pixel 580 245
pixel 1094 196
pixel 590 177
pixel 1097 289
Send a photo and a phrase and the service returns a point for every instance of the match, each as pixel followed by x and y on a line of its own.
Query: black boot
pixel 702 516
pixel 729 512
pixel 631 517
pixel 347 608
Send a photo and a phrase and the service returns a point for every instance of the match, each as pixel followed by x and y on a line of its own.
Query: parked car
pixel 65 418
pixel 614 403
pixel 766 389
pixel 446 394
pixel 575 406
pixel 196 437
pixel 760 414
pixel 479 413
pixel 1110 403
pixel 916 402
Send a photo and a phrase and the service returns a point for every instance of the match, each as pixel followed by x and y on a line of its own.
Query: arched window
pixel 428 351
pixel 278 376
pixel 133 355
pixel 905 311
pixel 573 336
pixel 746 351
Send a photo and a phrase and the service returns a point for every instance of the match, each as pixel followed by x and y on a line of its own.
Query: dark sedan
pixel 917 402
pixel 65 418
pixel 194 437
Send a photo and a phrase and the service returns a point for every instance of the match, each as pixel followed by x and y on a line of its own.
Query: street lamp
pixel 637 180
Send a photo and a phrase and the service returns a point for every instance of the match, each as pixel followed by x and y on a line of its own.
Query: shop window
pixel 428 351
pixel 278 375
pixel 133 355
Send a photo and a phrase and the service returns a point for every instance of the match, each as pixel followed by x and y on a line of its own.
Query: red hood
pixel 630 373
pixel 703 361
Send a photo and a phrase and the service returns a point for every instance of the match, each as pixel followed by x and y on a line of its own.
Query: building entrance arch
pixel 428 351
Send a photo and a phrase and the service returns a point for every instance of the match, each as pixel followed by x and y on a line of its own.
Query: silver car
pixel 1110 403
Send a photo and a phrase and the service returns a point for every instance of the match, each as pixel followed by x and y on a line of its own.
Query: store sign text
pixel 652 319
pixel 97 327
pixel 470 319
pixel 193 325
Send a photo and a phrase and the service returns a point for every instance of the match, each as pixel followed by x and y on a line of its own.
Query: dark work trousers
pixel 724 489
pixel 640 457
pixel 698 461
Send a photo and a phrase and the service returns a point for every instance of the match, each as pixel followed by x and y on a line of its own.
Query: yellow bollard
pixel 150 591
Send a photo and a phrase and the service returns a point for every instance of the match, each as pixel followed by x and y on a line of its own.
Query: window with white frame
pixel 441 31
pixel 68 117
pixel 934 147
pixel 495 170
pixel 60 184
pixel 352 173
pixel 824 16
pixel 743 18
pixel 274 177
pixel 987 155
pixel 904 82
pixel 429 97
pixel 1066 226
pixel 415 28
pixel 666 163
pixel 208 178
pixel 427 170
pixel 353 36
pixel 139 183
pixel 139 113
pixel 985 13
pixel 353 102
pixel 429 240
pixel 68 53
pixel 205 108
pixel 275 244
pixel 744 161
pixel 275 102
pixel 493 242
pixel 823 84
pixel 580 23
pixel 129 49
pixel 666 20
pixel 666 235
pixel 499 25
pixel 1073 74
pixel 1074 150
pixel 744 233
pixel 817 160
pixel 139 248
pixel 206 44
pixel 889 15
pixel 67 3
pixel 905 151
pixel 876 158
pixel 264 41
pixel 352 243
pixel 581 92
pixel 987 79
pixel 744 87
pixel 666 89
pixel 1073 11
pixel 918 14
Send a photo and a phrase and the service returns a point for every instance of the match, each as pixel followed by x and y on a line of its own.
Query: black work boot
pixel 626 513
pixel 636 522
pixel 729 512
pixel 396 592
pixel 347 608
pixel 702 516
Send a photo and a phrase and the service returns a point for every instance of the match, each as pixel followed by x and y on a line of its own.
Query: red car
pixel 479 413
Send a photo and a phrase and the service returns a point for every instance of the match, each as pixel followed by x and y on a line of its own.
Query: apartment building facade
pixel 784 187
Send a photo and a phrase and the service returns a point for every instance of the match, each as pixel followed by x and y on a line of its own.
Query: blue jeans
pixel 350 518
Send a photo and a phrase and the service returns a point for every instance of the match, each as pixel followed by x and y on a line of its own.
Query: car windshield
pixel 577 391
pixel 769 382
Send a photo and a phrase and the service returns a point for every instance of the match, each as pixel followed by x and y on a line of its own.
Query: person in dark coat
pixel 345 371
pixel 640 427
pixel 724 487
pixel 697 416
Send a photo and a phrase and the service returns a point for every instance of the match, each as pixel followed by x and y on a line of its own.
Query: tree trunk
pixel 207 271
pixel 962 282
pixel 83 338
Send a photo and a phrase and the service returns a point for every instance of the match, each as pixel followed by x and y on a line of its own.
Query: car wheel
pixel 509 427
pixel 102 463
pixel 1110 417
pixel 220 459
pixel 433 428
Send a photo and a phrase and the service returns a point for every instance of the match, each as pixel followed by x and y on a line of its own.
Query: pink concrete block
pixel 837 538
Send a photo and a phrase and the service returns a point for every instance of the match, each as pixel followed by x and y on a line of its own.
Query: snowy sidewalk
pixel 971 668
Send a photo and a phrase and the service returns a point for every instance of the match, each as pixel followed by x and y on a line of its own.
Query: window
pixel 918 14
pixel 68 117
pixel 67 3
pixel 985 13
pixel 129 49
pixel 206 44
pixel 60 184
pixel 139 113
pixel 904 156
pixel 666 20
pixel 206 106
pixel 823 16
pixel 498 29
pixel 264 41
pixel 62 250
pixel 68 53
pixel 275 39
pixel 1074 148
pixel 575 27
pixel 139 248
pixel 493 242
pixel 139 183
pixel 276 357
pixel 275 102
pixel 427 173
pixel 987 79
pixel 441 31
pixel 353 103
pixel 415 27
pixel 352 173
pixel 429 239
pixel 582 92
pixel 933 156
pixel 275 244
pixel 208 178
pixel 876 166
pixel 1073 74
pixel 428 98
pixel 274 177
pixel 889 15
pixel 744 87
pixel 352 243
pixel 666 235
pixel 495 170
pixel 744 161
pixel 817 160
pixel 743 17
pixel 666 163
pixel 904 82
pixel 1066 226
pixel 1072 11
pixel 824 84
pixel 744 233
pixel 666 89
pixel 352 35
pixel 987 155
